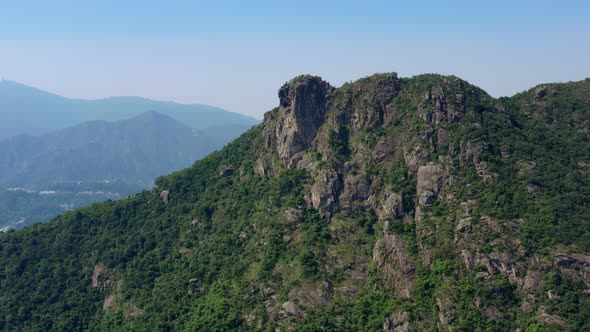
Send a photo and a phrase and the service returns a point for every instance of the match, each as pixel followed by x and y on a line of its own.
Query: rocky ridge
pixel 313 114
pixel 388 203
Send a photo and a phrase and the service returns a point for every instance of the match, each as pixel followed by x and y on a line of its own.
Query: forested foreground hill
pixel 389 204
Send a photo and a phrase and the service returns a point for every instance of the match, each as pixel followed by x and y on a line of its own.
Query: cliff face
pixel 301 113
pixel 438 135
pixel 388 203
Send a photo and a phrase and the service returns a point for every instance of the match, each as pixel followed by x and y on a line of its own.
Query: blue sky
pixel 236 54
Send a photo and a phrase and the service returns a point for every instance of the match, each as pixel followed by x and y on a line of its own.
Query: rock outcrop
pixel 164 196
pixel 103 278
pixel 395 263
pixel 397 322
pixel 346 140
pixel 302 111
pixel 428 185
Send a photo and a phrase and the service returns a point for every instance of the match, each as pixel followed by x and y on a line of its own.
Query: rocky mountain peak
pixel 302 111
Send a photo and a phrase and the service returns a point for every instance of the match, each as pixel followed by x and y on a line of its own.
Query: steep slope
pixel 26 110
pixel 389 204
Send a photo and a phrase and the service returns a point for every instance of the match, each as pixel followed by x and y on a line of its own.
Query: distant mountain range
pixel 82 151
pixel 136 151
pixel 27 110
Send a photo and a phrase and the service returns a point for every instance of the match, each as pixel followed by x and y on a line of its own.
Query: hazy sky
pixel 236 54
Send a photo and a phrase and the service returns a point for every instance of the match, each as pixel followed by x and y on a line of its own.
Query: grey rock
pixel 288 309
pixel 395 263
pixel 301 113
pixel 397 322
pixel 164 196
pixel 463 225
pixel 392 207
pixel 546 318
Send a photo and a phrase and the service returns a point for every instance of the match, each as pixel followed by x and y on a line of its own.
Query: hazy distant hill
pixel 27 110
pixel 135 151
pixel 95 161
pixel 48 142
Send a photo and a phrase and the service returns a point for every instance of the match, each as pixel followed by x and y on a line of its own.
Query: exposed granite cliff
pixel 348 139
pixel 302 111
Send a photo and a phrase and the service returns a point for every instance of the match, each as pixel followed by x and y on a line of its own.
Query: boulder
pixel 392 207
pixel 288 309
pixel 397 322
pixel 546 318
pixel 164 196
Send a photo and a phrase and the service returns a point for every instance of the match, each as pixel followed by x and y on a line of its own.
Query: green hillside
pixel 387 204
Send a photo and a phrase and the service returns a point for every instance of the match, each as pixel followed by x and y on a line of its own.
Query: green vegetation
pixel 18 209
pixel 250 252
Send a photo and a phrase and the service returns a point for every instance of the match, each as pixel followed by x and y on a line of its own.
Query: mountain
pixel 389 203
pixel 27 110
pixel 93 161
pixel 136 150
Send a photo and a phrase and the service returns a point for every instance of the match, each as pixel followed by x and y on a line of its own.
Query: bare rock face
pixel 310 298
pixel 397 322
pixel 293 216
pixel 428 185
pixel 430 178
pixel 446 313
pixel 325 191
pixel 443 106
pixel 164 195
pixel 532 280
pixel 392 207
pixel 575 266
pixel 470 152
pixel 463 225
pixel 288 309
pixel 302 111
pixel 372 106
pixel 107 304
pixel 546 318
pixel 356 192
pixel 386 148
pixel 395 263
pixel 103 278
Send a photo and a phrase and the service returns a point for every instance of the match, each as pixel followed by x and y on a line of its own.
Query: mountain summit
pixel 388 203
